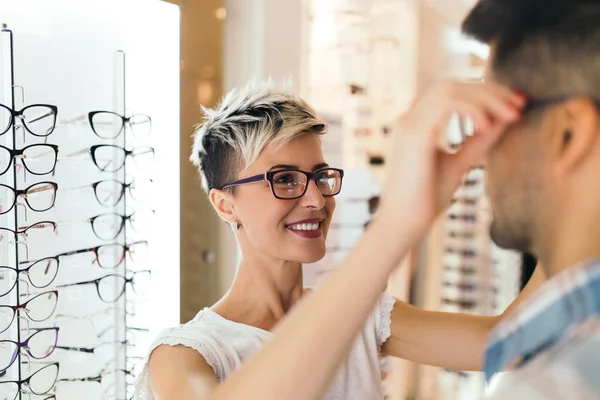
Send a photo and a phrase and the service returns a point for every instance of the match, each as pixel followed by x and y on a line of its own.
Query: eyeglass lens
pixel 39 120
pixel 111 256
pixel 110 192
pixel 39 345
pixel 109 125
pixel 39 197
pixel 292 184
pixel 38 309
pixel 39 383
pixel 39 159
pixel 111 287
pixel 40 274
pixel 109 158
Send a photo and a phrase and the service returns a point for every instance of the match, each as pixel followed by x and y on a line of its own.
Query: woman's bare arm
pixel 448 340
pixel 180 373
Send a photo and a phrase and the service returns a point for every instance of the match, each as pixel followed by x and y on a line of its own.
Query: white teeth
pixel 304 227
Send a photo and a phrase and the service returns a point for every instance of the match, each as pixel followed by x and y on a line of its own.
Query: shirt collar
pixel 564 301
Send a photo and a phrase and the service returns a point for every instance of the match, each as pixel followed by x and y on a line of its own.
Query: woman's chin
pixel 309 257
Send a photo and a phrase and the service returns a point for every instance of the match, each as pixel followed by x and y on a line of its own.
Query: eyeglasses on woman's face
pixel 290 184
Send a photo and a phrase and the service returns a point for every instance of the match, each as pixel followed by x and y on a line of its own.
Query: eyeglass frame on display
pixel 128 153
pixel 268 176
pixel 125 248
pixel 90 119
pixel 90 317
pixel 26 272
pixel 22 306
pixel 25 344
pixel 96 282
pixel 19 154
pixel 123 185
pixel 19 115
pixel 26 381
pixel 23 230
pixel 23 193
pixel 124 218
pixel 92 350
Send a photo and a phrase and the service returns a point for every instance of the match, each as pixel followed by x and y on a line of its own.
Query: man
pixel 544 188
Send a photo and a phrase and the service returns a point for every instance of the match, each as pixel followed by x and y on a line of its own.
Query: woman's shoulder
pixel 219 341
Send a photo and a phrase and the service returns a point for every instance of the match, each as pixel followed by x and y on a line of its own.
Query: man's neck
pixel 262 292
pixel 572 238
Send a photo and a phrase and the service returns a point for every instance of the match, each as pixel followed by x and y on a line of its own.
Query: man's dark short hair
pixel 544 48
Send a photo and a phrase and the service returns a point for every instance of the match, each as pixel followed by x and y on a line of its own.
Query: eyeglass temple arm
pixel 77 153
pixel 251 179
pixel 81 349
pixel 42 116
pixel 37 156
pixel 88 379
pixel 77 284
pixel 73 120
pixel 74 252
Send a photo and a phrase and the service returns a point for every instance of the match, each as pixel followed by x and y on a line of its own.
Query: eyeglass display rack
pixel 74 300
pixel 477 277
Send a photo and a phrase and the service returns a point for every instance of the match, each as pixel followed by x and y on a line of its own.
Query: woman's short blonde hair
pixel 235 132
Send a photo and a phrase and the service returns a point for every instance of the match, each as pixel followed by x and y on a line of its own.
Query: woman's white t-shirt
pixel 226 345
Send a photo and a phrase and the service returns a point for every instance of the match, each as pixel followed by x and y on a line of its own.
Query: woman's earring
pixel 235 225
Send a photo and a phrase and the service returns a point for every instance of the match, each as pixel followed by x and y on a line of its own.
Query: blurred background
pixel 360 63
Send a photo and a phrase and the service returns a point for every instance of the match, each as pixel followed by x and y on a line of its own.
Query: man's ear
pixel 575 133
pixel 222 202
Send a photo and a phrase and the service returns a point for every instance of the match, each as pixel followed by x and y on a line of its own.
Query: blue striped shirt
pixel 551 342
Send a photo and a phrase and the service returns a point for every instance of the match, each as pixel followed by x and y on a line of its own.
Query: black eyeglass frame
pixel 28 379
pixel 16 153
pixel 96 282
pixel 124 186
pixel 268 176
pixel 25 271
pixel 24 308
pixel 23 193
pixel 128 153
pixel 125 121
pixel 123 218
pixel 16 114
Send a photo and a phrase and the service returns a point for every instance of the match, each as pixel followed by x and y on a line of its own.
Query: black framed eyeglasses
pixel 109 192
pixel 111 287
pixel 108 226
pixel 290 184
pixel 38 119
pixel 39 383
pixel 38 308
pixel 39 196
pixel 111 158
pixel 38 159
pixel 109 125
pixel 23 232
pixel 40 274
pixel 107 256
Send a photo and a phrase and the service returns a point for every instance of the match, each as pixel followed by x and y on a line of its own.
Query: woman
pixel 261 163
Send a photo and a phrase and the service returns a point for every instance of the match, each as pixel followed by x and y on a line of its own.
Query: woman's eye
pixel 285 179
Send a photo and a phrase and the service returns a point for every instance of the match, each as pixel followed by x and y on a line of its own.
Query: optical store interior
pixel 107 236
